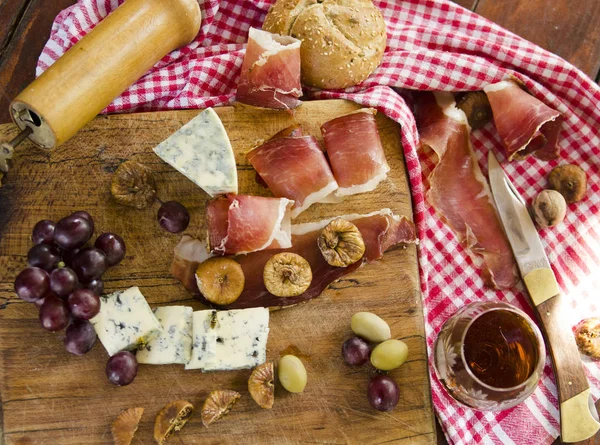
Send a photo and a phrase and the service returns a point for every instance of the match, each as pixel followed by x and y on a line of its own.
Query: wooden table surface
pixel 564 27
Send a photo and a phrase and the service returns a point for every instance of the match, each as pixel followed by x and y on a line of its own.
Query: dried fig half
pixel 261 385
pixel 125 425
pixel 133 185
pixel 220 280
pixel 287 275
pixel 171 418
pixel 341 243
pixel 218 404
pixel 477 107
pixel 587 337
pixel 570 181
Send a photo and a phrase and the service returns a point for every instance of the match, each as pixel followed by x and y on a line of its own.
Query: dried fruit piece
pixel 292 373
pixel 125 425
pixel 133 185
pixel 549 208
pixel 171 418
pixel 341 243
pixel 220 280
pixel 287 274
pixel 218 404
pixel 587 336
pixel 477 107
pixel 261 386
pixel 570 181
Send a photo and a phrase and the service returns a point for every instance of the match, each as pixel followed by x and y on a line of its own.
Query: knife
pixel 578 415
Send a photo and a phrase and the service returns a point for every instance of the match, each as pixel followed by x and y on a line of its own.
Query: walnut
pixel 260 385
pixel 171 418
pixel 220 280
pixel 341 243
pixel 549 208
pixel 133 185
pixel 125 425
pixel 587 336
pixel 570 181
pixel 477 107
pixel 218 404
pixel 287 275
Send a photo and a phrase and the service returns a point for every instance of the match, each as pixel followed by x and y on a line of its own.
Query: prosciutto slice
pixel 355 152
pixel 525 124
pixel 380 230
pixel 239 224
pixel 459 192
pixel 294 168
pixel 270 75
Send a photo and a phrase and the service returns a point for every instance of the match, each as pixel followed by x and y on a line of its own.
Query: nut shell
pixel 341 243
pixel 477 107
pixel 133 185
pixel 171 418
pixel 218 404
pixel 261 385
pixel 549 208
pixel 587 337
pixel 287 275
pixel 125 425
pixel 220 280
pixel 570 181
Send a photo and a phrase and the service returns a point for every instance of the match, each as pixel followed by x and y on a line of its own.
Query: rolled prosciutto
pixel 294 168
pixel 355 152
pixel 525 124
pixel 270 76
pixel 380 231
pixel 239 224
pixel 459 192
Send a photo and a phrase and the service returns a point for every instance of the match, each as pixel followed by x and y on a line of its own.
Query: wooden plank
pixel 68 400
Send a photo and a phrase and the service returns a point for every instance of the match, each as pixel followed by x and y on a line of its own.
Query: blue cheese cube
pixel 229 340
pixel 174 344
pixel 201 151
pixel 125 321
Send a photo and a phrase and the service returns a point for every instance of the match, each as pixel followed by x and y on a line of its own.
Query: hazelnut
pixel 587 337
pixel 171 418
pixel 570 181
pixel 477 107
pixel 260 385
pixel 549 208
pixel 220 280
pixel 287 275
pixel 341 243
pixel 218 404
pixel 133 185
pixel 125 425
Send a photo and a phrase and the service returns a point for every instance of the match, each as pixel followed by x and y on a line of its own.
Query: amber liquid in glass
pixel 501 349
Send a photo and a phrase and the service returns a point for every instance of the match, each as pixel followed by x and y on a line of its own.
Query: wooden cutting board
pixel 50 396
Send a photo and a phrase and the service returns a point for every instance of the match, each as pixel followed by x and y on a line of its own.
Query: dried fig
pixel 218 404
pixel 125 425
pixel 287 274
pixel 261 386
pixel 220 280
pixel 549 208
pixel 133 185
pixel 341 243
pixel 171 418
pixel 477 107
pixel 587 337
pixel 570 181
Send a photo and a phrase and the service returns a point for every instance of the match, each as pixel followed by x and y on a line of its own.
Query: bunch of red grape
pixel 64 277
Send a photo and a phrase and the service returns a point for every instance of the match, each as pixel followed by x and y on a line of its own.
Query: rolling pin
pixel 103 64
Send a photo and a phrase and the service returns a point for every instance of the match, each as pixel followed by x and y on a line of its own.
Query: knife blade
pixel 578 415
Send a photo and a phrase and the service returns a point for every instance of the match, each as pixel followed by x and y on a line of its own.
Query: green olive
pixel 370 327
pixel 389 355
pixel 291 373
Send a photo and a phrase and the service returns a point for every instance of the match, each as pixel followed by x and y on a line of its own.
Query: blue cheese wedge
pixel 125 321
pixel 174 344
pixel 201 151
pixel 229 340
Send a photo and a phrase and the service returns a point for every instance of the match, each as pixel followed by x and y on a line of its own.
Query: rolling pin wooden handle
pixel 103 64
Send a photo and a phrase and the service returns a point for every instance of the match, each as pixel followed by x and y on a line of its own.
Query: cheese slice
pixel 174 344
pixel 201 151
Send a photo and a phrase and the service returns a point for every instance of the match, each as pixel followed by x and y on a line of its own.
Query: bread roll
pixel 342 40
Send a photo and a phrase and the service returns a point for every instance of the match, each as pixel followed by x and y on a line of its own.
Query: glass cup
pixel 489 356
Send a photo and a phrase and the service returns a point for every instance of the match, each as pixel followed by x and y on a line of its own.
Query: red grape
pixel 54 314
pixel 63 281
pixel 32 284
pixel 89 264
pixel 43 232
pixel 72 231
pixel 96 286
pixel 383 393
pixel 356 351
pixel 80 337
pixel 84 304
pixel 113 247
pixel 85 215
pixel 173 217
pixel 68 256
pixel 43 256
pixel 121 368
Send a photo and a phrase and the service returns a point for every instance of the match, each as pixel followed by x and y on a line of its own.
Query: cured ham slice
pixel 380 230
pixel 355 152
pixel 459 192
pixel 294 168
pixel 270 75
pixel 240 224
pixel 525 124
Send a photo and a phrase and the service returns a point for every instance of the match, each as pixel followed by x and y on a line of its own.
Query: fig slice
pixel 125 425
pixel 261 385
pixel 221 280
pixel 287 275
pixel 218 404
pixel 341 243
pixel 171 418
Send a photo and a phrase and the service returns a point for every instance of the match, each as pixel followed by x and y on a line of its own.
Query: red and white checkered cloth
pixel 432 45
